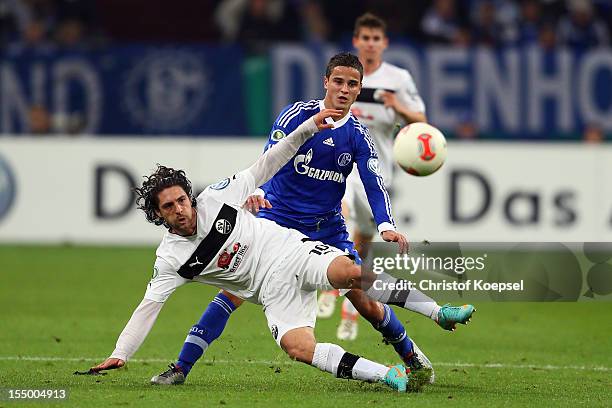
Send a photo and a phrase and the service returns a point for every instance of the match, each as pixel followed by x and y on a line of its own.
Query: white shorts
pixel 289 297
pixel 360 212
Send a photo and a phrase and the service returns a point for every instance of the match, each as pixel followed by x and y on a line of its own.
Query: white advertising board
pixel 78 190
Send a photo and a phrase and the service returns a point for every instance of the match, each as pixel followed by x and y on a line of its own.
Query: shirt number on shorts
pixel 320 249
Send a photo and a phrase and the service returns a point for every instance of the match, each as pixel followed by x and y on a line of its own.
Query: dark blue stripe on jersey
pixel 211 244
pixel 367 95
pixel 345 367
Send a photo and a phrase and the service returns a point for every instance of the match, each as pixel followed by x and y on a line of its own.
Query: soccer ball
pixel 420 149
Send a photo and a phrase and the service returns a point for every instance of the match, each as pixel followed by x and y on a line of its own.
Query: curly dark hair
pixel 344 59
pixel 163 177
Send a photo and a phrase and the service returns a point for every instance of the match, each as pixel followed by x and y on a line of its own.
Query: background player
pixel 388 97
pixel 306 195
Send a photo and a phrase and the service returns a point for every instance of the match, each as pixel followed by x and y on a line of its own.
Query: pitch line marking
pixel 270 362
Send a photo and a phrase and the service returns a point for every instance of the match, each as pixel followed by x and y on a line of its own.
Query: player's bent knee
pixel 342 273
pixel 299 344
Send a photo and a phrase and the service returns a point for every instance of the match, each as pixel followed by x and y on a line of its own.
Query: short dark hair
pixel 369 20
pixel 163 177
pixel 344 59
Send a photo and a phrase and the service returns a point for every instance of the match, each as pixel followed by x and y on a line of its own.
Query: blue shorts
pixel 330 230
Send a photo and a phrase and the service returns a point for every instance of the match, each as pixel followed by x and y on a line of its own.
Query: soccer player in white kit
pixel 389 96
pixel 213 240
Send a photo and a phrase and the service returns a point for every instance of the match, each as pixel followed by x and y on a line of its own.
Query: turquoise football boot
pixel 449 316
pixel 396 378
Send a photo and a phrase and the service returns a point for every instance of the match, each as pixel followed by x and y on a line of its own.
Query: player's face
pixel 343 87
pixel 176 209
pixel 370 44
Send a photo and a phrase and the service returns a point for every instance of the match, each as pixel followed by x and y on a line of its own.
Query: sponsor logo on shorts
pixel 274 330
pixel 223 226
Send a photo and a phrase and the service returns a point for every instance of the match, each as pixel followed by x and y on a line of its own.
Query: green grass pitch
pixel 62 309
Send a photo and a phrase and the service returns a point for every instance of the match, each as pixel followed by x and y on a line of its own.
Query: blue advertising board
pixel 131 90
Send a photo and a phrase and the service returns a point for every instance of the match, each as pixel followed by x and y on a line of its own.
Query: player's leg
pixel 349 317
pixel 362 220
pixel 200 336
pixel 363 233
pixel 362 242
pixel 291 314
pixel 300 344
pixel 326 304
pixel 322 268
pixel 290 306
pixel 342 273
pixel 384 320
pixel 381 287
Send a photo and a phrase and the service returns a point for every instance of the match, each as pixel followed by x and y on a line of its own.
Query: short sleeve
pixel 409 94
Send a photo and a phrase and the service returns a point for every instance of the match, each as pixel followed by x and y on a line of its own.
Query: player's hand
pixel 255 202
pixel 393 236
pixel 390 100
pixel 320 117
pixel 109 364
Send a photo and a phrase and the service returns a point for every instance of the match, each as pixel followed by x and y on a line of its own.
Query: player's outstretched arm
pixel 132 336
pixel 279 154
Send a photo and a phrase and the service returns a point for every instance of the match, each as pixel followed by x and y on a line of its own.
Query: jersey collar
pixel 337 123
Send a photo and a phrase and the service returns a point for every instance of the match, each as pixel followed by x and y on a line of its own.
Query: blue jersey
pixel 309 189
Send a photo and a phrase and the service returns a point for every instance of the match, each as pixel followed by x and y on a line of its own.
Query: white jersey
pixel 381 121
pixel 231 249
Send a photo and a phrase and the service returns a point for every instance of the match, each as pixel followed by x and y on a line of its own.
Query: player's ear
pixel 385 42
pixel 325 81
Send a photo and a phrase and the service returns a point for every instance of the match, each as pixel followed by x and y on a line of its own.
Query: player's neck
pixel 328 105
pixel 369 66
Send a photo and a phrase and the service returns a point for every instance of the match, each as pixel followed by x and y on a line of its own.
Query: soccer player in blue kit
pixel 306 195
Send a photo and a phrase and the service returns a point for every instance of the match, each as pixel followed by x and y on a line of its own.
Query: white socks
pixel 333 359
pixel 385 291
pixel 419 302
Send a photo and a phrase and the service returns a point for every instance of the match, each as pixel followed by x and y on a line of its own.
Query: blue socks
pixel 208 329
pixel 394 333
